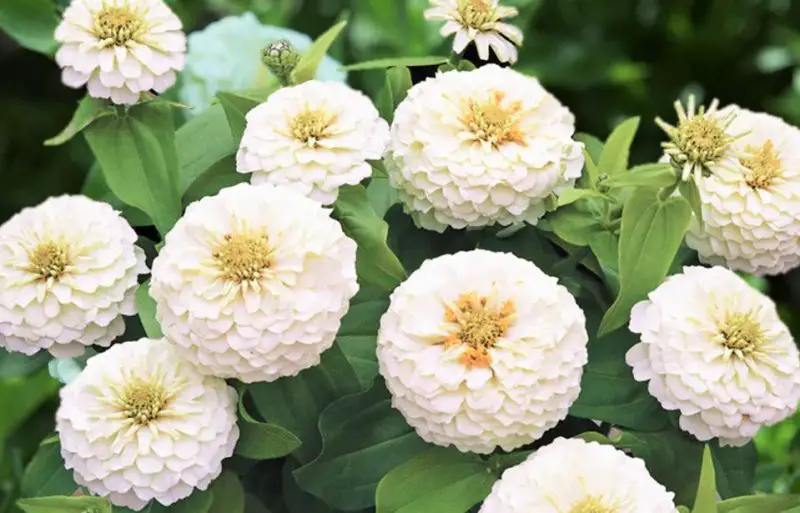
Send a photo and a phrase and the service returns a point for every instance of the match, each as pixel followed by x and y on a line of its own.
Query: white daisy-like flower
pixel 478 21
pixel 314 138
pixel 751 198
pixel 253 282
pixel 481 147
pixel 140 423
pixel 120 49
pixel 482 350
pixel 571 475
pixel 714 348
pixel 68 273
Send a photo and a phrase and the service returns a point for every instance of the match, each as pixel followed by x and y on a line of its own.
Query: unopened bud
pixel 281 58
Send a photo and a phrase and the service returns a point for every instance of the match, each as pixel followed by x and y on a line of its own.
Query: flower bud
pixel 281 58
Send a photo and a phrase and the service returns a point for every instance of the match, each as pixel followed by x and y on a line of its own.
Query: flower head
pixel 485 359
pixel 478 21
pixel 252 283
pixel 68 273
pixel 478 148
pixel 575 476
pixel 313 137
pixel 120 48
pixel 140 423
pixel 714 348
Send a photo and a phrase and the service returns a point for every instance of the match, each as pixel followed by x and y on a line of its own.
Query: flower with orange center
pixel 494 363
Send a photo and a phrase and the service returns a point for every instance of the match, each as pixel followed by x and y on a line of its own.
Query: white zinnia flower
pixel 140 423
pixel 715 349
pixel 481 147
pixel 68 273
pixel 571 475
pixel 120 48
pixel 314 138
pixel 482 349
pixel 253 282
pixel 478 21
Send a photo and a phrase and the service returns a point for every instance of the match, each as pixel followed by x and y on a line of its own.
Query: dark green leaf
pixel 527 243
pixel 202 142
pixel 228 494
pixel 17 365
pixel 236 107
pixel 735 468
pixel 614 159
pixel 46 475
pixel 61 504
pixel 21 397
pixel 219 176
pixel 706 499
pixel 761 504
pixel 357 336
pixel 647 175
pixel 146 309
pixel 31 23
pixel 306 69
pixel 440 480
pixel 89 109
pixel 390 62
pixel 259 441
pixel 197 502
pixel 363 439
pixel 396 86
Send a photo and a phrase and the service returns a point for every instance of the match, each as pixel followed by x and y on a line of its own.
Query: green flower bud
pixel 281 58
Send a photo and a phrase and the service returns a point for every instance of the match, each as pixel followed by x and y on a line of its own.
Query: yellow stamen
pixel 478 327
pixel 765 165
pixel 116 25
pixel 494 122
pixel 243 257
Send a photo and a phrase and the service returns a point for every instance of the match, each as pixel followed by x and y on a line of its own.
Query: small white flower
pixel 575 476
pixel 714 348
pixel 140 423
pixel 68 273
pixel 482 349
pixel 253 282
pixel 314 138
pixel 478 21
pixel 481 147
pixel 120 49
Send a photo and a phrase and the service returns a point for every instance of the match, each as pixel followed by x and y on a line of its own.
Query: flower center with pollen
pixel 590 505
pixel 765 165
pixel 311 126
pixel 143 401
pixel 478 326
pixel 243 257
pixel 494 123
pixel 702 139
pixel 48 261
pixel 476 13
pixel 741 334
pixel 115 26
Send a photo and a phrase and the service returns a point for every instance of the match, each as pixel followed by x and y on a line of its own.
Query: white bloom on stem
pixel 482 350
pixel 478 21
pixel 253 282
pixel 714 348
pixel 120 49
pixel 571 475
pixel 481 147
pixel 140 423
pixel 68 273
pixel 314 138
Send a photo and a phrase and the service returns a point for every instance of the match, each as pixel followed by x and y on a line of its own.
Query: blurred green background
pixel 605 59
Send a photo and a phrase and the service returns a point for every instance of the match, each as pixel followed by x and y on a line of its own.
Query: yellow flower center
pixel 243 257
pixel 741 334
pixel 590 505
pixel 311 126
pixel 143 401
pixel 702 139
pixel 476 14
pixel 48 260
pixel 493 122
pixel 478 327
pixel 116 25
pixel 764 166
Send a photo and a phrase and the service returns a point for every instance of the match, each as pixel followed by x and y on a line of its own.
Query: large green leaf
pixel 735 469
pixel 527 243
pixel 761 504
pixel 579 221
pixel 136 152
pixel 95 187
pixel 363 439
pixel 236 107
pixel 706 499
pixel 31 23
pixel 605 246
pixel 648 175
pixel 21 397
pixel 381 194
pixel 219 176
pixel 62 504
pixel 357 336
pixel 202 142
pixel 396 86
pixel 89 109
pixel 306 69
pixel 614 158
pixel 146 309
pixel 228 494
pixel 260 441
pixel 16 365
pixel 431 60
pixel 375 262
pixel 651 233
pixel 440 480
pixel 197 502
pixel 46 475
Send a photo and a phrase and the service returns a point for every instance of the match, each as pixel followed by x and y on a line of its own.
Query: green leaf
pixel 375 262
pixel 17 365
pixel 202 142
pixel 594 436
pixel 228 494
pixel 357 335
pixel 146 309
pixel 219 176
pixel 137 155
pixel 527 243
pixel 605 246
pixel 197 502
pixel 396 86
pixel 260 441
pixel 594 146
pixel 651 233
pixel 306 69
pixel 31 23
pixel 761 504
pixel 614 159
pixel 706 499
pixel 735 468
pixel 236 107
pixel 431 60
pixel 95 187
pixel 683 509
pixel 647 175
pixel 691 193
pixel 61 504
pixel 441 480
pixel 363 439
pixel 579 222
pixel 21 397
pixel 89 109
pixel 568 196
pixel 45 474
pixel 381 195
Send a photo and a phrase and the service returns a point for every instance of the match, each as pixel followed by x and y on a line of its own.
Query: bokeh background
pixel 605 59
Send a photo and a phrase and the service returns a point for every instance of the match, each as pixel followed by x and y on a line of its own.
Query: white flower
pixel 68 273
pixel 314 138
pixel 481 147
pixel 120 48
pixel 479 21
pixel 715 349
pixel 571 475
pixel 141 423
pixel 751 198
pixel 482 349
pixel 253 282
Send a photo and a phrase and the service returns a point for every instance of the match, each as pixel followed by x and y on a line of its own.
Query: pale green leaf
pixel 647 175
pixel 201 143
pixel 89 109
pixel 568 196
pixel 777 503
pixel 31 23
pixel 236 107
pixel 706 499
pixel 691 193
pixel 605 246
pixel 396 85
pixel 63 504
pixel 614 159
pixel 410 62
pixel 146 308
pixel 306 69
pixel 594 146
